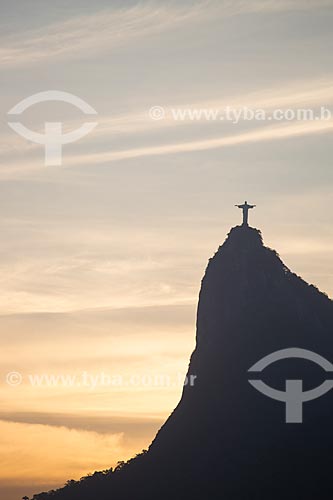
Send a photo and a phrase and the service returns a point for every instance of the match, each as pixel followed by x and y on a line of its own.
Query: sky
pixel 103 255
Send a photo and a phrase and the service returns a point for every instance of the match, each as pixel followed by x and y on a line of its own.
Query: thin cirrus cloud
pixel 318 92
pixel 313 93
pixel 259 135
pixel 105 30
pixel 298 95
pixel 111 28
pixel 263 134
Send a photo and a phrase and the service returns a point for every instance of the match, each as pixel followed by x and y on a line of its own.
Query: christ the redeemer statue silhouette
pixel 245 207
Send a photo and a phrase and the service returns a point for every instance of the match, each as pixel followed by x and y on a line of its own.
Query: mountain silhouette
pixel 225 439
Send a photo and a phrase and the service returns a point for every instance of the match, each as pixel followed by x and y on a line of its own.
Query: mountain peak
pixel 244 235
pixel 224 439
pixel 242 262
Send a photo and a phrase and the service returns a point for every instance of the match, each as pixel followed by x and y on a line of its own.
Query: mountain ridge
pixel 225 439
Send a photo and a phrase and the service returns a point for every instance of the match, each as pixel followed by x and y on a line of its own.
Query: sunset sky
pixel 102 257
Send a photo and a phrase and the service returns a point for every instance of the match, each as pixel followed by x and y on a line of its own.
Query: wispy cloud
pixel 103 450
pixel 297 95
pixel 112 28
pixel 308 94
pixel 105 30
pixel 258 135
pixel 263 134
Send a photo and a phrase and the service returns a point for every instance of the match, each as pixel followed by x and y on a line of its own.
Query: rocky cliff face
pixel 225 439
